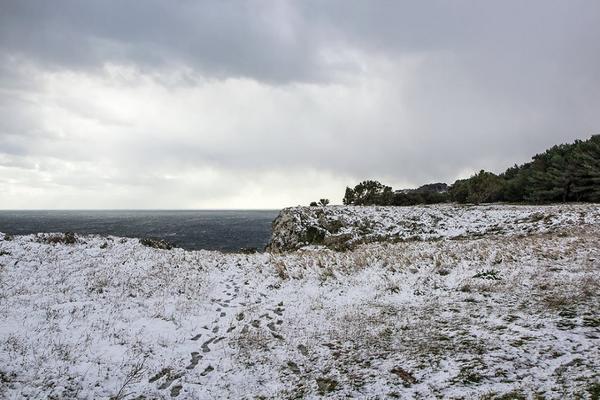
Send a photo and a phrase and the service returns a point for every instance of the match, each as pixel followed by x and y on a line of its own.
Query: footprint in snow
pixel 279 309
pixel 205 347
pixel 160 374
pixel 170 379
pixel 194 361
pixel 198 336
pixel 277 335
pixel 207 370
pixel 175 390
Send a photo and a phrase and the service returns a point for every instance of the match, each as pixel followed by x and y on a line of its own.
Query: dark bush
pixel 156 243
pixel 64 238
pixel 369 193
pixel 484 187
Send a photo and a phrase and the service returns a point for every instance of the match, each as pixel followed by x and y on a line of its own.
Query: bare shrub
pixel 281 269
pixel 134 374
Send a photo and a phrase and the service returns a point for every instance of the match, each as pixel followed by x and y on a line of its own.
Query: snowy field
pixel 500 316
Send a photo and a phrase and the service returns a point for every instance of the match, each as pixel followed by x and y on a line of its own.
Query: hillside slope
pixel 486 317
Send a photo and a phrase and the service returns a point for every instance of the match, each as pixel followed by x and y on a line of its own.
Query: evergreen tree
pixel 349 197
pixel 586 185
pixel 552 175
pixel 566 172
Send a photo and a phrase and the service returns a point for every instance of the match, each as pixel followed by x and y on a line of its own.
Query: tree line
pixel 563 173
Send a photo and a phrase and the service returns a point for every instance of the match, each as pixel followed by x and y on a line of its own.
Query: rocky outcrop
pixel 344 227
pixel 337 228
pixel 294 228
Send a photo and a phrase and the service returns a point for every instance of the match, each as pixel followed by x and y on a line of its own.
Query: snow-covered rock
pixel 344 227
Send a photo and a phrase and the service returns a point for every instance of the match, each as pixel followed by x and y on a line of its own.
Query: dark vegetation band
pixel 563 173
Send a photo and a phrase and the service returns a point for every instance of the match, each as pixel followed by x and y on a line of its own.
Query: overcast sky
pixel 266 104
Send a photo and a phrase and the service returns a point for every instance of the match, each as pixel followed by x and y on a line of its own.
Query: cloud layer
pixel 266 104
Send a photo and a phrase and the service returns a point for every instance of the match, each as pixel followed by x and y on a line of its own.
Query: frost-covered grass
pixel 499 315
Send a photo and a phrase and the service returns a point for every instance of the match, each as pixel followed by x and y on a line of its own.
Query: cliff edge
pixel 344 227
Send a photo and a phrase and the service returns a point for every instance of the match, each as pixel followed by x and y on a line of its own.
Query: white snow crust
pixel 476 317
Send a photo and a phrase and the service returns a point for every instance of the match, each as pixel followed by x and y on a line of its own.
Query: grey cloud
pixel 491 83
pixel 281 41
pixel 220 38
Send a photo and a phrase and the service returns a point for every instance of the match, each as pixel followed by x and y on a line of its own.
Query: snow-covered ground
pixel 344 227
pixel 497 315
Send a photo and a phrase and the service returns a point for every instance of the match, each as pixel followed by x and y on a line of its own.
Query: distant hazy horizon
pixel 224 230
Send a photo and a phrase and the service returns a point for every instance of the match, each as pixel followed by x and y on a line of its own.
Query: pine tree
pixel 552 175
pixel 349 197
pixel 586 186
